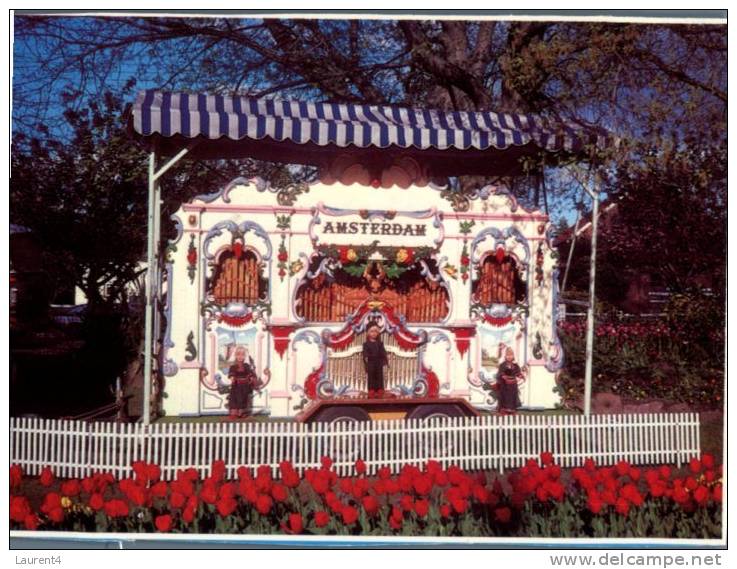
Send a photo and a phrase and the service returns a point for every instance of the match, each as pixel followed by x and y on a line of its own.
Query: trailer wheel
pixel 436 444
pixel 435 412
pixel 343 448
pixel 342 414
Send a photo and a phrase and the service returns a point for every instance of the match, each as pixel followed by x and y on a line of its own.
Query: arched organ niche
pixel 332 292
pixel 345 365
pixel 237 278
pixel 498 281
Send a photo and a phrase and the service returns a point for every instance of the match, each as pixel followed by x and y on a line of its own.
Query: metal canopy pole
pixel 570 251
pixel 150 286
pixel 152 271
pixel 592 303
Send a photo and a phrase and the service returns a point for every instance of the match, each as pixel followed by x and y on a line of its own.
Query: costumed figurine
pixel 244 381
pixel 374 358
pixel 508 378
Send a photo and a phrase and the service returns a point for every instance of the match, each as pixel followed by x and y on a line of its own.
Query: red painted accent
pixel 463 338
pixel 311 383
pixel 406 339
pixel 498 322
pixel 192 256
pixel 281 337
pixel 500 254
pixel 236 321
pixel 433 384
pixel 237 249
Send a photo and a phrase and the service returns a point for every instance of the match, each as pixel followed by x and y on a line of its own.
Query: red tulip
pixel 459 505
pixel 16 475
pixel 622 506
pixel 321 519
pixel 553 471
pixel 546 458
pixel 188 514
pixel 433 466
pixel 290 479
pixel 116 508
pixel 632 494
pixel 209 493
pixel 159 490
pixel 153 472
pixel 680 495
pixel 717 493
pixel 360 467
pixel 326 462
pixel 440 478
pixel 295 523
pixel 89 484
pixel 481 494
pixel 407 503
pixel 694 465
pixel 279 492
pixel 594 503
pixel 707 461
pixel 701 495
pixel 263 504
pixel 664 472
pixel 163 523
pixel 423 485
pixel 623 467
pixel 97 502
pixel 422 507
pixel 51 500
pixel 384 473
pixel 445 511
pixel 19 508
pixel 47 477
pixel 346 485
pixel 370 504
pixel 177 500
pixel 71 488
pixel 349 514
pixel 392 487
pixel 226 506
pixel 56 515
pixel 557 490
pixel 191 474
pixel 217 470
pixel 503 515
pixel 31 522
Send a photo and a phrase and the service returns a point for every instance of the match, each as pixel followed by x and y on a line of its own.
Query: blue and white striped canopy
pixel 226 119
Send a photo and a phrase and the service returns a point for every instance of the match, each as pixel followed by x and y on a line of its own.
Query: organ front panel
pixel 497 282
pixel 237 279
pixel 345 367
pixel 419 300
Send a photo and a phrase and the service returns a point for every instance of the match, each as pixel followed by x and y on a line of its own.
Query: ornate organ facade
pixel 296 274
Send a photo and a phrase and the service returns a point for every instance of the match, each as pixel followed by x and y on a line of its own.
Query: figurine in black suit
pixel 374 358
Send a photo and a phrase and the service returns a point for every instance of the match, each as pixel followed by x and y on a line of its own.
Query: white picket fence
pixel 76 448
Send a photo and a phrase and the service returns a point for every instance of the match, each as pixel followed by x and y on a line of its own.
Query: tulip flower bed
pixel 538 500
pixel 643 360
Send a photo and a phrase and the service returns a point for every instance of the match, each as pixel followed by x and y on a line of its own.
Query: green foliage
pixel 680 360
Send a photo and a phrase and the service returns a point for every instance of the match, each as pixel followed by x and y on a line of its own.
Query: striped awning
pixel 227 119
